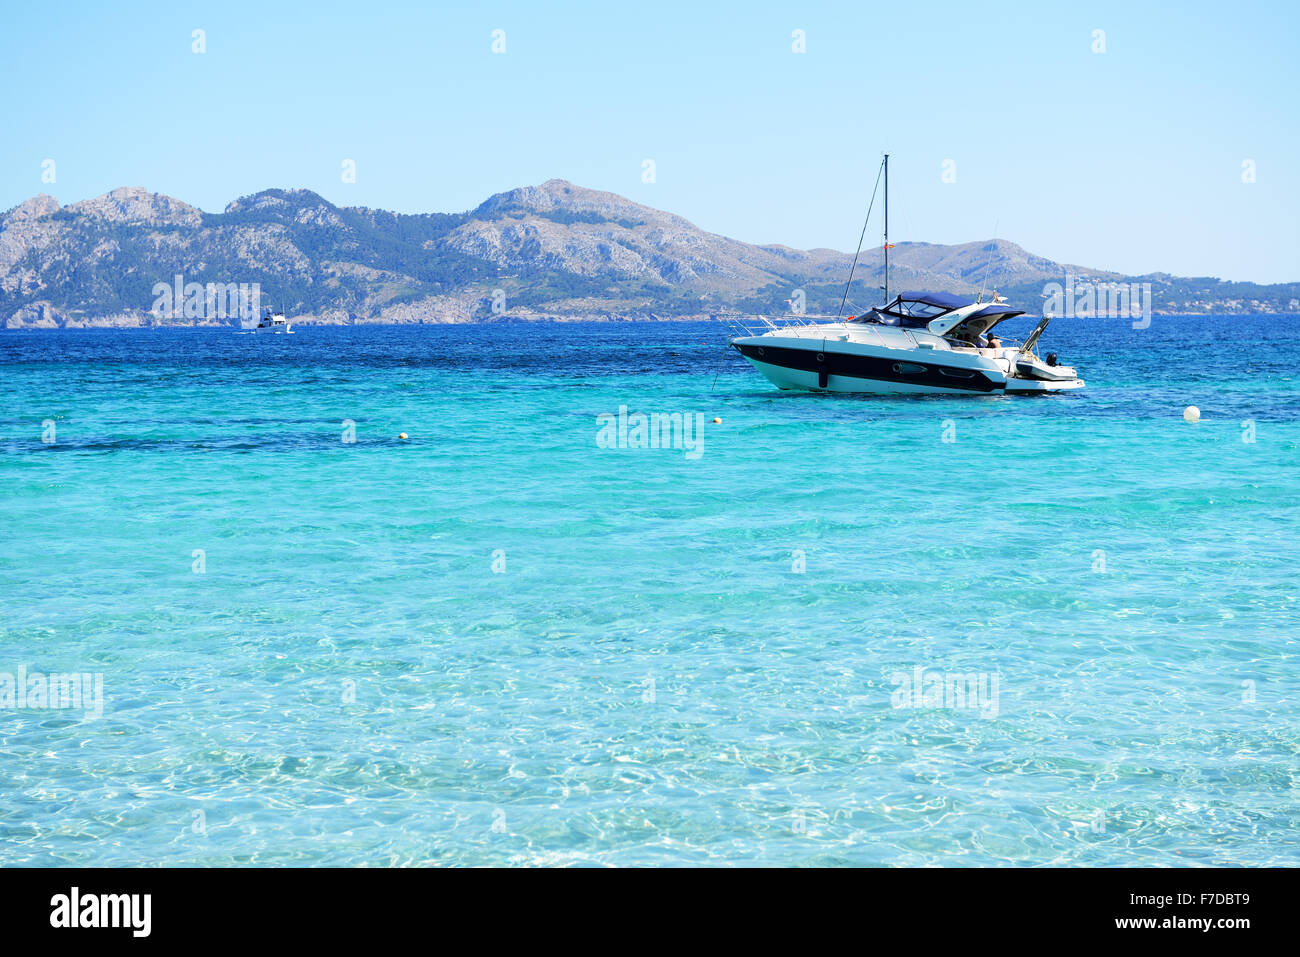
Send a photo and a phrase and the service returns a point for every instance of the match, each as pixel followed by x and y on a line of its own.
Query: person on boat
pixel 994 341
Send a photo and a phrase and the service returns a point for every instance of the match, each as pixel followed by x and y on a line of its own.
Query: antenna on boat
pixel 886 229
pixel 989 265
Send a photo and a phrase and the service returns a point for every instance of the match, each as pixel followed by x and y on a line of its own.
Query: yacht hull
pixel 871 370
pixel 803 380
pixel 861 368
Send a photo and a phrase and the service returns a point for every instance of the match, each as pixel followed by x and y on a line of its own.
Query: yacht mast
pixel 862 238
pixel 886 229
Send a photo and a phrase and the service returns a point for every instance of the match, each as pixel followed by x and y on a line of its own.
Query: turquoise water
pixel 497 642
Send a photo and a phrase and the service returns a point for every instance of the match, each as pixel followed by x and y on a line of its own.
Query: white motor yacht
pixel 273 322
pixel 919 342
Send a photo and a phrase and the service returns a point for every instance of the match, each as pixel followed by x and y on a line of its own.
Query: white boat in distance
pixel 273 322
pixel 918 342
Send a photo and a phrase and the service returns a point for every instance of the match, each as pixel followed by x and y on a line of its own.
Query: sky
pixel 1167 142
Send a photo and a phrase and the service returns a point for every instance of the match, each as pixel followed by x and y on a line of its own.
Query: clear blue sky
pixel 1129 159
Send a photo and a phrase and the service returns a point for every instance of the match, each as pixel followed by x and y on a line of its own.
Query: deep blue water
pixel 496 641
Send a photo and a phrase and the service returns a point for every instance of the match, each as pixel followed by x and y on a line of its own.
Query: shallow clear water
pixel 499 642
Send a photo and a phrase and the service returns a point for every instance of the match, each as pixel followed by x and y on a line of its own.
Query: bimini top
pixel 943 300
pixel 918 309
pixel 914 309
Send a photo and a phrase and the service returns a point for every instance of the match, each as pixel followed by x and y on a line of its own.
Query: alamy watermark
pixel 76 691
pixel 215 300
pixel 657 430
pixel 1111 300
pixel 77 909
pixel 976 691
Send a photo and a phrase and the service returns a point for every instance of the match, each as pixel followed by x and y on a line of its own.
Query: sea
pixel 244 621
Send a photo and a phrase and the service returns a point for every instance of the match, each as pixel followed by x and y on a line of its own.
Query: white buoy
pixel 1191 414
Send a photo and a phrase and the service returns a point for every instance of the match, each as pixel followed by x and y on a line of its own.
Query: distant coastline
pixel 555 252
pixel 112 324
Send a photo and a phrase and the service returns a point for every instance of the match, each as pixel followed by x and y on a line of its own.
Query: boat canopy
pixel 995 310
pixel 917 310
pixel 944 300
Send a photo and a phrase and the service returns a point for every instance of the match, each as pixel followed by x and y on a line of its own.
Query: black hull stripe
pixel 871 367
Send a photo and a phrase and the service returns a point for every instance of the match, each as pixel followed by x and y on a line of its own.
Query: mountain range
pixel 554 251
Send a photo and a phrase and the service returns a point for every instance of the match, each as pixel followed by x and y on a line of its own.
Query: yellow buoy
pixel 402 436
pixel 717 421
pixel 1191 414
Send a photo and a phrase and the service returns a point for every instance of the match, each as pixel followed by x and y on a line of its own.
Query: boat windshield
pixel 916 310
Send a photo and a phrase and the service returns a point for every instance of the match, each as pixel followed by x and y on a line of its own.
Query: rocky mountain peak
pixel 559 196
pixel 34 208
pixel 301 206
pixel 136 205
pixel 278 200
